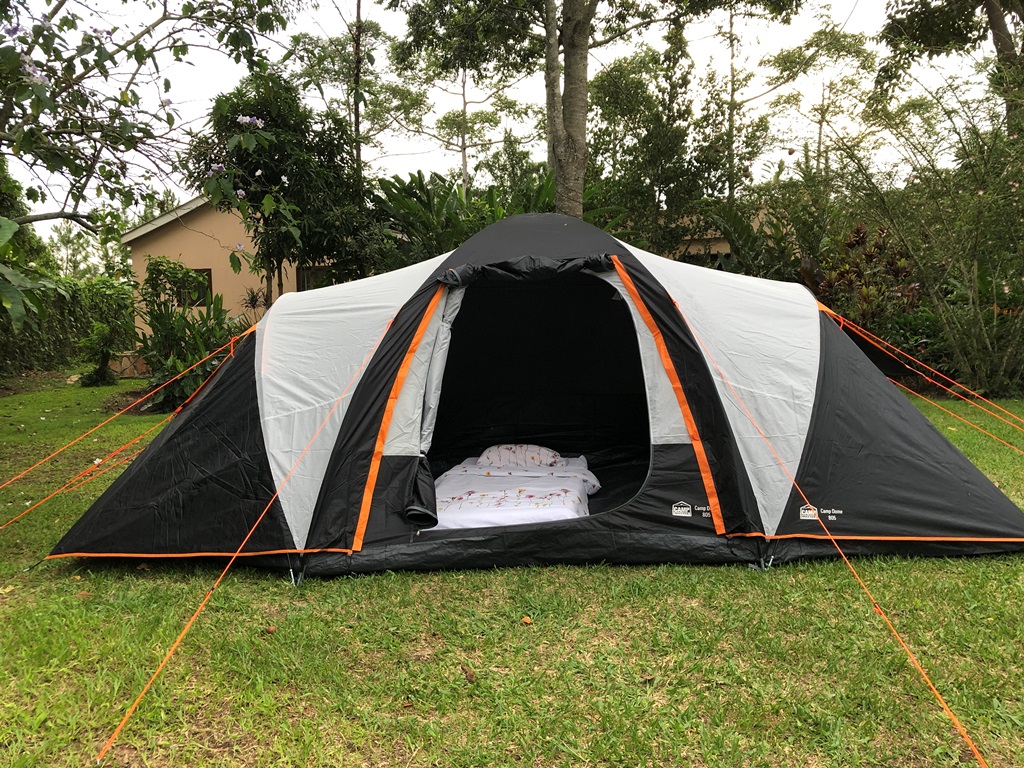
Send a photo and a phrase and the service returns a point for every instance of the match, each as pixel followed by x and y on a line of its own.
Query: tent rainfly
pixel 725 418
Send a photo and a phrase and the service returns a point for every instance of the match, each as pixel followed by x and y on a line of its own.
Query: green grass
pixel 668 665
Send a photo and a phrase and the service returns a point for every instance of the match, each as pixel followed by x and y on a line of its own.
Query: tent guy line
pixel 846 561
pixel 893 351
pixel 220 578
pixel 961 418
pixel 229 345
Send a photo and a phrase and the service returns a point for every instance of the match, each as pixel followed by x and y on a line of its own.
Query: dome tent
pixel 729 419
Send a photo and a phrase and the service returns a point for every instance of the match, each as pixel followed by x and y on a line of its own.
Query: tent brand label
pixel 682 509
pixel 807 512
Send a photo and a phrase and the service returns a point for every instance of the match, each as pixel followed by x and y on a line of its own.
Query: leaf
pixel 236 263
pixel 14 303
pixel 7 229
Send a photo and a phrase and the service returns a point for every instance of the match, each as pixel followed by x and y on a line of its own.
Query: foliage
pixel 957 217
pixel 386 101
pixel 24 260
pixel 76 94
pixel 917 29
pixel 67 310
pixel 872 282
pixel 113 329
pixel 291 174
pixel 429 215
pixel 180 334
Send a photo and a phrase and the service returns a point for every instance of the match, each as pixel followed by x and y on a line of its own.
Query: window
pixel 198 299
pixel 308 278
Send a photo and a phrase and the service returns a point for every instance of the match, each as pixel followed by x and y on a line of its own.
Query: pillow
pixel 518 455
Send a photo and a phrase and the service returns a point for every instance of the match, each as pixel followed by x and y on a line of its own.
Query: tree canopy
pixel 290 172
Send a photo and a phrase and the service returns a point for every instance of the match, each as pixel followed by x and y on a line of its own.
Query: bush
pixel 180 334
pixel 67 315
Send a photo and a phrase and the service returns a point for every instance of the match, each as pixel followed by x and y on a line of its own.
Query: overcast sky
pixel 194 88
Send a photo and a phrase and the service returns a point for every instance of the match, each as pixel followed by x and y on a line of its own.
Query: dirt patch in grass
pixel 118 401
pixel 31 381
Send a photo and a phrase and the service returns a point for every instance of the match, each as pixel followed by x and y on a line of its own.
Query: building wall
pixel 203 239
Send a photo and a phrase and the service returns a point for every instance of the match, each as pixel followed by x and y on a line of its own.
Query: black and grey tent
pixel 726 419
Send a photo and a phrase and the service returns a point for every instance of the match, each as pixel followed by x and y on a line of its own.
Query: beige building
pixel 202 238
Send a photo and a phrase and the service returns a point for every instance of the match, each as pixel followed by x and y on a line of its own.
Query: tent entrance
pixel 553 362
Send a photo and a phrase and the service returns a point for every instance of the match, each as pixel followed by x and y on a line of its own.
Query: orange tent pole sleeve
pixel 385 424
pixel 677 388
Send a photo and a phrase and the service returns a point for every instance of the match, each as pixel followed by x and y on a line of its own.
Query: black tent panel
pixel 875 467
pixel 337 511
pixel 736 497
pixel 199 487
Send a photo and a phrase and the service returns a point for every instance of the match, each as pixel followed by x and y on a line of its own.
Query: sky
pixel 193 89
pixel 206 73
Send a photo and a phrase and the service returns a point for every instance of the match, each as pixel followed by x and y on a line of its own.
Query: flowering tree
pixel 84 108
pixel 291 174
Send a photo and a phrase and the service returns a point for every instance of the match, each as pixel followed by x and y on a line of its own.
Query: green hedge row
pixel 51 342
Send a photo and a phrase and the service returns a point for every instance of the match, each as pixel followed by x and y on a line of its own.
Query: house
pixel 202 238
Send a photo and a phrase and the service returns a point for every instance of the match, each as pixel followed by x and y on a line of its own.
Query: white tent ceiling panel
pixel 305 364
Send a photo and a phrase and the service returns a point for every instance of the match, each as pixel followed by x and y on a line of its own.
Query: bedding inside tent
pixel 552 362
pixel 481 492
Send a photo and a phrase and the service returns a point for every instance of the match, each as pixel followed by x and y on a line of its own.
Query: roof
pixel 166 218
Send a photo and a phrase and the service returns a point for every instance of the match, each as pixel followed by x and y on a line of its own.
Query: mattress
pixel 474 496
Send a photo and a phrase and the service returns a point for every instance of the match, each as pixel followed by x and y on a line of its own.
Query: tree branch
pixel 633 28
pixel 79 218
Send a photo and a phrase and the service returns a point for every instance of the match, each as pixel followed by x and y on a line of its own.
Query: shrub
pixel 66 316
pixel 180 334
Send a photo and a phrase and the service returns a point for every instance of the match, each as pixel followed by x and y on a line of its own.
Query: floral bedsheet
pixel 473 496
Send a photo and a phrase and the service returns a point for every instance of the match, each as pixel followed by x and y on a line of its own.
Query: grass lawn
pixel 666 665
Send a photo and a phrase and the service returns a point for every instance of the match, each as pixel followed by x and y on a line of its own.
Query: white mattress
pixel 473 496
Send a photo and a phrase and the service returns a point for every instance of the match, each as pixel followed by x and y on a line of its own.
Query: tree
pixel 84 108
pixel 952 205
pixel 514 36
pixel 354 75
pixel 85 102
pixel 917 29
pixel 291 174
pixel 658 149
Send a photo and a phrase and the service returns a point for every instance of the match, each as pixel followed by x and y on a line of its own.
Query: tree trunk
pixel 1009 75
pixel 464 138
pixel 357 95
pixel 567 94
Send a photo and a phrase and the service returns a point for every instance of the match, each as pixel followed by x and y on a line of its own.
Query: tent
pixel 728 418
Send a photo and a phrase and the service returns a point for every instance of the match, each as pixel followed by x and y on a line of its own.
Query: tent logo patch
pixel 807 512
pixel 682 509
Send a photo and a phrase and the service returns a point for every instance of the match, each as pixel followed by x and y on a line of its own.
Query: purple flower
pixel 247 120
pixel 240 193
pixel 165 102
pixel 13 30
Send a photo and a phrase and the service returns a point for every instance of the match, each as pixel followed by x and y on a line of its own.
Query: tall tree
pixel 290 172
pixel 916 29
pixel 84 106
pixel 83 102
pixel 555 37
